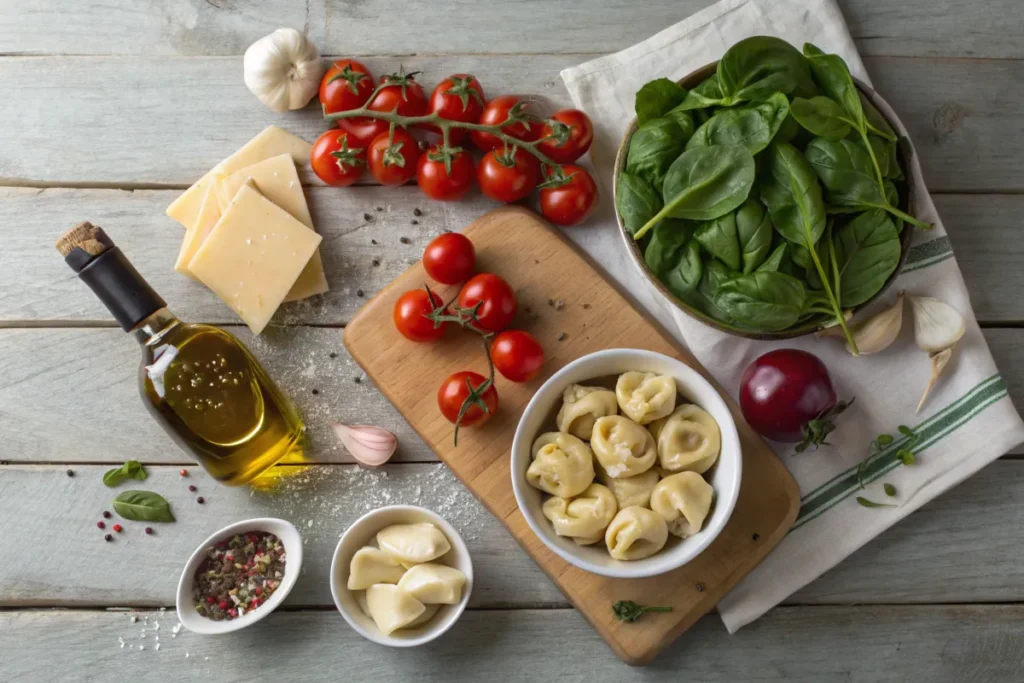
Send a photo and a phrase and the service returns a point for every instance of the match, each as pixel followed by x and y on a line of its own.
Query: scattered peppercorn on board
pixel 572 310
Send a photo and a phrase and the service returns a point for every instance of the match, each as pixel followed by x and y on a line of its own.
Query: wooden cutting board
pixel 573 310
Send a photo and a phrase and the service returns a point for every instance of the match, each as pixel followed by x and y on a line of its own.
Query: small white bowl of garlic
pixel 401 576
pixel 626 463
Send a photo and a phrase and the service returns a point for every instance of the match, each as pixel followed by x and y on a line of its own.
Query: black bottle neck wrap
pixel 113 278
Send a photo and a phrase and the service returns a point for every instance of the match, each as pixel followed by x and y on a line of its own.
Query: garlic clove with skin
pixel 369 445
pixel 939 361
pixel 875 334
pixel 937 325
pixel 283 70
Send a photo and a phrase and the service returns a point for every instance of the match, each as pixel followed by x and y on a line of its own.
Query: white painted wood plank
pixel 940 644
pixel 963 547
pixel 75 566
pixel 36 285
pixel 168 120
pixel 217 27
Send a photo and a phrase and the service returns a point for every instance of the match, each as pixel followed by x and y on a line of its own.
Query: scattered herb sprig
pixel 629 611
pixel 905 455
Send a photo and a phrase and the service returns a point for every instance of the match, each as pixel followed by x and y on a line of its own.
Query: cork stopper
pixel 85 236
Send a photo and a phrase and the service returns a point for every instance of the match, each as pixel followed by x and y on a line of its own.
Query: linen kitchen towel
pixel 968 420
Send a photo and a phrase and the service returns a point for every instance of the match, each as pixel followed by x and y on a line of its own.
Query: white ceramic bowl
pixel 538 418
pixel 289 535
pixel 363 532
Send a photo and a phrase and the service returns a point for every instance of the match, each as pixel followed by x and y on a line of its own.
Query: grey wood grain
pixel 939 644
pixel 36 286
pixel 217 27
pixel 962 547
pixel 145 121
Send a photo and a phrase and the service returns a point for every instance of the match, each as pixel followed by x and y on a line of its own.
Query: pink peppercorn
pixel 210 599
pixel 117 528
pixel 183 472
pixel 223 604
pixel 101 525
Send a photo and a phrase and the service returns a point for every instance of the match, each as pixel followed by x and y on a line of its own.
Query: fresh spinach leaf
pixel 718 237
pixel 876 123
pixel 754 232
pixel 668 240
pixel 821 116
pixel 685 276
pixel 715 274
pixel 656 98
pixel 705 183
pixel 653 148
pixel 756 67
pixel 792 194
pixel 143 506
pixel 683 119
pixel 752 127
pixel 636 201
pixel 867 252
pixel 832 74
pixel 766 301
pixel 707 94
pixel 887 157
pixel 774 262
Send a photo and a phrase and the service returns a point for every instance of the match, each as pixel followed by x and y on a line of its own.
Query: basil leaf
pixel 707 94
pixel 765 301
pixel 773 262
pixel 752 127
pixel 636 201
pixel 754 232
pixel 791 192
pixel 821 116
pixel 653 148
pixel 707 182
pixel 867 253
pixel 718 237
pixel 832 74
pixel 132 469
pixel 656 98
pixel 143 506
pixel 756 67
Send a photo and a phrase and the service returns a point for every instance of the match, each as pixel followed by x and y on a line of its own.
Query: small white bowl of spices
pixel 239 575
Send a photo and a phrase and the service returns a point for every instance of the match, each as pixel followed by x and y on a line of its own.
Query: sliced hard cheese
pixel 253 256
pixel 277 179
pixel 209 214
pixel 269 143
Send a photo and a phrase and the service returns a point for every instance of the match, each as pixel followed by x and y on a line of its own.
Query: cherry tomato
pixel 571 134
pixel 401 93
pixel 335 160
pixel 517 355
pixel 567 196
pixel 362 130
pixel 392 160
pixel 526 128
pixel 456 389
pixel 460 97
pixel 507 174
pixel 497 301
pixel 783 390
pixel 436 181
pixel 410 314
pixel 346 85
pixel 449 258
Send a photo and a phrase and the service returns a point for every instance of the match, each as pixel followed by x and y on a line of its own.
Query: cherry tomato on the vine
pixel 449 258
pixel 346 85
pixel 459 387
pixel 445 174
pixel 335 160
pixel 392 159
pixel 568 195
pixel 517 355
pixel 401 93
pixel 571 134
pixel 410 314
pixel 525 126
pixel 362 130
pixel 460 97
pixel 508 174
pixel 497 301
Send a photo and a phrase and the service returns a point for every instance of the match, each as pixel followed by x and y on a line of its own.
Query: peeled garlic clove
pixel 939 361
pixel 371 446
pixel 937 325
pixel 876 333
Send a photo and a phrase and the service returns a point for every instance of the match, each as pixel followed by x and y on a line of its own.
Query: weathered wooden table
pixel 110 108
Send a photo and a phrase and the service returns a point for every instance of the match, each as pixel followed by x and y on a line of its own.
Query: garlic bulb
pixel 937 325
pixel 283 70
pixel 369 445
pixel 876 333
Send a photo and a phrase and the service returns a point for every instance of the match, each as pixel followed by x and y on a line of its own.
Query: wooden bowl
pixel 904 151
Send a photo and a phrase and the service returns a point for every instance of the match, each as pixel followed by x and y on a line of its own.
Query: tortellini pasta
pixel 585 517
pixel 688 440
pixel 635 533
pixel 372 565
pixel 427 615
pixel 581 406
pixel 644 396
pixel 630 491
pixel 391 608
pixel 562 465
pixel 684 500
pixel 413 543
pixel 622 447
pixel 434 584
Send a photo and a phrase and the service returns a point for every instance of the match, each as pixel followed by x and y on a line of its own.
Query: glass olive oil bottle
pixel 199 382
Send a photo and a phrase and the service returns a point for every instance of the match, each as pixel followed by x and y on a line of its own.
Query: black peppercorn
pixel 417 212
pixel 200 500
pixel 71 473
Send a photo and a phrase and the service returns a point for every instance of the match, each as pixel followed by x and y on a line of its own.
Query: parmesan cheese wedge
pixel 209 214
